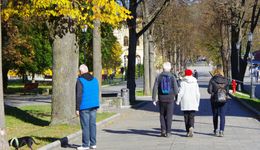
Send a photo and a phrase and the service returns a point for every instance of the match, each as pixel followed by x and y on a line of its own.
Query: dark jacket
pixel 173 92
pixel 87 92
pixel 213 85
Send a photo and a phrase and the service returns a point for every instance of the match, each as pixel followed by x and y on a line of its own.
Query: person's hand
pixel 177 103
pixel 77 113
pixel 154 103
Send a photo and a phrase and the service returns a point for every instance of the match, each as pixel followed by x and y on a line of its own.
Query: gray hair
pixel 83 68
pixel 167 66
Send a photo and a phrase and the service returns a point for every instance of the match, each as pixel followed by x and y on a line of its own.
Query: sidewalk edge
pixel 247 106
pixel 63 140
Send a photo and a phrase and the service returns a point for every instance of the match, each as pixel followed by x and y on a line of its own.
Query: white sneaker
pixel 93 147
pixel 82 148
pixel 190 133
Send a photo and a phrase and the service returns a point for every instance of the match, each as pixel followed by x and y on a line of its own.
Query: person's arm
pixel 155 90
pixel 78 94
pixel 198 94
pixel 181 93
pixel 175 86
pixel 210 87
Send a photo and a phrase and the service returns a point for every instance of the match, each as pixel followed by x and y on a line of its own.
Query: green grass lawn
pixel 34 121
pixel 139 93
pixel 254 102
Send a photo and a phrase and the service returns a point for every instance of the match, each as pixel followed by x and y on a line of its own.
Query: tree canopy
pixel 83 12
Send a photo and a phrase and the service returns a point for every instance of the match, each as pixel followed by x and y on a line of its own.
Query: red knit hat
pixel 188 72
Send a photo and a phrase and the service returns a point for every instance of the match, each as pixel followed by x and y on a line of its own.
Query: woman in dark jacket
pixel 218 109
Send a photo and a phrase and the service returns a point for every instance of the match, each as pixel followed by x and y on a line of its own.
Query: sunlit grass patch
pixel 34 121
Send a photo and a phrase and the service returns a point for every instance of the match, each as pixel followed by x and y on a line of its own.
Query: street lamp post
pixel 252 90
pixel 125 71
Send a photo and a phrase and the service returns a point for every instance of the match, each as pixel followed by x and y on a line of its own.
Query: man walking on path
pixel 189 98
pixel 87 102
pixel 166 87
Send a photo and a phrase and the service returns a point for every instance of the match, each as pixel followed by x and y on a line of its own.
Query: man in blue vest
pixel 87 103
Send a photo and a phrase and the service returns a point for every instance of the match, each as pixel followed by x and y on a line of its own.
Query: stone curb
pixel 247 106
pixel 59 142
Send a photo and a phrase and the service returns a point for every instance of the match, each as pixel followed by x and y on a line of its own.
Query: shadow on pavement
pixel 233 109
pixel 203 86
pixel 135 131
pixel 46 139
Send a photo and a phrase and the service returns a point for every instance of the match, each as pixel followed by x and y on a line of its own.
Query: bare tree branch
pixel 257 17
pixel 152 19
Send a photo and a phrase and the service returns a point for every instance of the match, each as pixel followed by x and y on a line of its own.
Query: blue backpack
pixel 165 84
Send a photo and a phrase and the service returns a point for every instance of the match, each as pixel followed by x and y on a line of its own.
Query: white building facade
pixel 123 38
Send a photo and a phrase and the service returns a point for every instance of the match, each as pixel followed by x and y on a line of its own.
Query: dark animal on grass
pixel 20 142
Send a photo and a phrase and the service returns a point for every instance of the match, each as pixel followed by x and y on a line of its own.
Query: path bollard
pixel 125 96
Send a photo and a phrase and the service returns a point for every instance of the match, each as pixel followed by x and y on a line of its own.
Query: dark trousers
pixel 218 110
pixel 166 111
pixel 189 119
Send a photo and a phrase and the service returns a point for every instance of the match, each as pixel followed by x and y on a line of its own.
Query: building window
pixel 126 42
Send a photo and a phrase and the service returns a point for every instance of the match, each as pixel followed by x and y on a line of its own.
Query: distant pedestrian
pixel 189 99
pixel 164 91
pixel 87 103
pixel 195 74
pixel 218 85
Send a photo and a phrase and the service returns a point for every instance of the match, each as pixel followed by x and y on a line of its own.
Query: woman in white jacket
pixel 189 98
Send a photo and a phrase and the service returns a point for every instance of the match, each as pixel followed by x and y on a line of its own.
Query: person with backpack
pixel 218 88
pixel 164 91
pixel 189 98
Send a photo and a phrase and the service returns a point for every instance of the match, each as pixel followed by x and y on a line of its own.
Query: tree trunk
pixel 33 77
pixel 234 53
pixel 151 64
pixel 132 52
pixel 131 64
pixel 97 56
pixel 5 77
pixel 3 141
pixel 224 30
pixel 65 70
pixel 147 84
pixel 146 65
pixel 175 58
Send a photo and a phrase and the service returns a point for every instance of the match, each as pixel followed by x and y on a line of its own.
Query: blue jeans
pixel 88 126
pixel 219 110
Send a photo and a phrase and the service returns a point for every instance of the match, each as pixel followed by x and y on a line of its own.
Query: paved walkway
pixel 139 129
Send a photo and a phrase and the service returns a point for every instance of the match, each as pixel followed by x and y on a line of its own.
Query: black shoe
pixel 215 132
pixel 163 134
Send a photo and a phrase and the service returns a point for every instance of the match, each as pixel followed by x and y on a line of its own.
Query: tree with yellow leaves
pixel 63 18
